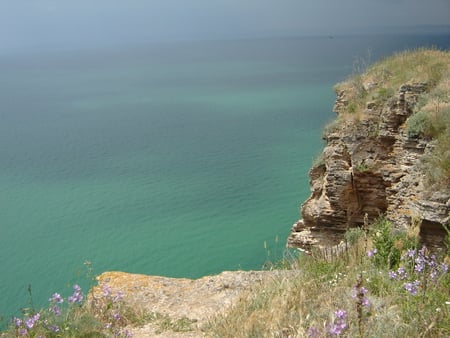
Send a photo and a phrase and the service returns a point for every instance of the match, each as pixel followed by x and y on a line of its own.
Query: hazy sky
pixel 41 23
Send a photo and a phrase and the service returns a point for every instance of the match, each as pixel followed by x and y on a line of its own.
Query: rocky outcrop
pixel 192 301
pixel 370 167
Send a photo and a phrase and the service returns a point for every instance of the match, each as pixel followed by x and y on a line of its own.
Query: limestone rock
pixel 197 300
pixel 370 167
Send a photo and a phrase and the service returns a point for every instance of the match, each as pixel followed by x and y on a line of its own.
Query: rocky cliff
pixel 374 162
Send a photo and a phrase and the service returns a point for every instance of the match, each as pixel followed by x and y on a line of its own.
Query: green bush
pixel 353 235
pixel 389 243
pixel 383 94
pixel 419 125
pixel 437 163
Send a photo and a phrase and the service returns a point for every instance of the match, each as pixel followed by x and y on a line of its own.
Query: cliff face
pixel 371 167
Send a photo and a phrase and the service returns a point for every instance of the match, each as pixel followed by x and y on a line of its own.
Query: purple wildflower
pixel 118 297
pixel 55 328
pixel 31 321
pixel 365 301
pixel 313 332
pixel 434 274
pixel 56 297
pixel 106 290
pixel 359 293
pixel 432 262
pixel 420 265
pixel 56 310
pixel 371 253
pixel 401 273
pixel 116 316
pixel 412 287
pixel 337 328
pixel 17 321
pixel 340 314
pixel 23 332
pixel 127 333
pixel 339 325
pixel 411 253
pixel 77 296
pixel 392 275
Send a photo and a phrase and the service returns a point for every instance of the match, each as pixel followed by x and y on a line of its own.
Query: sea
pixel 179 159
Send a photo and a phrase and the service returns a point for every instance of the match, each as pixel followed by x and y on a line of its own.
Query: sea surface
pixel 179 159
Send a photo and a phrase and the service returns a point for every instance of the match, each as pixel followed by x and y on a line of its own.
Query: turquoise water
pixel 179 160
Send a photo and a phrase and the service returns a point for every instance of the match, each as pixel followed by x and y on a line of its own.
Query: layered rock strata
pixel 370 167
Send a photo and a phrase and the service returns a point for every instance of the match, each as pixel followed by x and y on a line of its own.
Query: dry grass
pixel 382 80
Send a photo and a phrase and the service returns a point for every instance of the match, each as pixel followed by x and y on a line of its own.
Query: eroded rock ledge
pixel 197 300
pixel 371 167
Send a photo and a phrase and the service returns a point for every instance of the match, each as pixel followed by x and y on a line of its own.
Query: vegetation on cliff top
pixel 379 85
pixel 381 81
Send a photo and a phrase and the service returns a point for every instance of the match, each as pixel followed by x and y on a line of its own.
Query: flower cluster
pixel 108 294
pixel 423 262
pixel 400 274
pixel 314 332
pixel 359 293
pixel 77 296
pixel 109 308
pixel 51 320
pixel 339 324
pixel 23 326
pixel 372 253
pixel 54 300
pixel 335 328
pixel 56 297
pixel 412 287
pixel 418 265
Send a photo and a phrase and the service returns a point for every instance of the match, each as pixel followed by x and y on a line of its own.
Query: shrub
pixel 437 163
pixel 353 235
pixel 383 94
pixel 389 243
pixel 419 125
